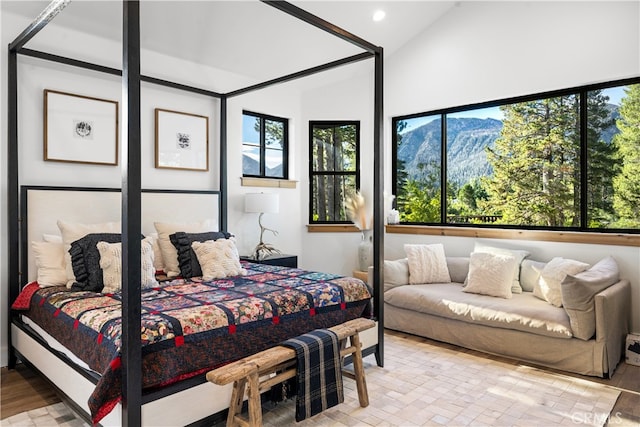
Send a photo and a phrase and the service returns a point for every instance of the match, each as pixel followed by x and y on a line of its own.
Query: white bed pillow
pixel 427 264
pixel 519 256
pixel 490 274
pixel 111 265
pixel 548 286
pixel 49 258
pixel 158 261
pixel 52 238
pixel 218 259
pixel 169 252
pixel 72 231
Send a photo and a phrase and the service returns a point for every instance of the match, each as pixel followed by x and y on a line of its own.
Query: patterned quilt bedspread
pixel 192 326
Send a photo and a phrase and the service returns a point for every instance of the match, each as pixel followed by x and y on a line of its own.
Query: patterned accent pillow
pixel 187 259
pixel 85 261
pixel 111 264
pixel 218 259
pixel 490 274
pixel 427 264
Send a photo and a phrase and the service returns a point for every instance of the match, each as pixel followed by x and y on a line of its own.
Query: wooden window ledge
pixel 616 239
pixel 268 182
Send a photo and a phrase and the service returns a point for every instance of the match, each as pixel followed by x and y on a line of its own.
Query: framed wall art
pixel 182 140
pixel 80 129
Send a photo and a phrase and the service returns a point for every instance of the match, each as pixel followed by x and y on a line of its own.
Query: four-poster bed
pixel 28 345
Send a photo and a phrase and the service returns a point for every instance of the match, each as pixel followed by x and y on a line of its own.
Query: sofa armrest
pixel 612 307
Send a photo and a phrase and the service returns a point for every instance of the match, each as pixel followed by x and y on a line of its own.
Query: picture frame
pixel 80 129
pixel 182 140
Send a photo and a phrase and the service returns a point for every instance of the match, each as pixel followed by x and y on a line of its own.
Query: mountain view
pixel 251 166
pixel 466 149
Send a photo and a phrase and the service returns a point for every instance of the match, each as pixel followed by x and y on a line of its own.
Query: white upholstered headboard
pixel 42 207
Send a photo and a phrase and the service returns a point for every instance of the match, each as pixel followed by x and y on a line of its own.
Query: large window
pixel 264 146
pixel 334 168
pixel 566 160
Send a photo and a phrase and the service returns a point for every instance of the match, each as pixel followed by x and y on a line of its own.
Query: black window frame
pixel 285 145
pixel 313 173
pixel 579 90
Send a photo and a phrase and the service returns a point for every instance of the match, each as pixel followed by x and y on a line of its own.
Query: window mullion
pixel 443 169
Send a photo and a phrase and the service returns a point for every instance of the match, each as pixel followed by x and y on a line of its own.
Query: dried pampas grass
pixel 357 209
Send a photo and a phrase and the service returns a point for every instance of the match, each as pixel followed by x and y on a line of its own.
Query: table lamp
pixel 262 203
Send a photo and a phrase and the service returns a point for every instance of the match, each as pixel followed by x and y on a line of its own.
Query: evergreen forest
pixel 526 169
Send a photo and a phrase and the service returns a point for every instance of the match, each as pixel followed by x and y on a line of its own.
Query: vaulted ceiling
pixel 247 38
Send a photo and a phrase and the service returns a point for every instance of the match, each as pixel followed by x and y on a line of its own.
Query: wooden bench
pixel 263 370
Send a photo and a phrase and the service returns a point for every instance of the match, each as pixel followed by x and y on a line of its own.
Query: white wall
pixel 484 51
pixel 36 75
pixel 351 100
pixel 278 101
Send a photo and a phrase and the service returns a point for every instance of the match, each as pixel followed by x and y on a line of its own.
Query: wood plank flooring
pixel 22 389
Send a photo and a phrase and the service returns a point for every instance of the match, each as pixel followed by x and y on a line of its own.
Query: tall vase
pixel 365 250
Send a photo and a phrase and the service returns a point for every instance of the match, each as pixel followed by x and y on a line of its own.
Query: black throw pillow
pixel 85 261
pixel 187 258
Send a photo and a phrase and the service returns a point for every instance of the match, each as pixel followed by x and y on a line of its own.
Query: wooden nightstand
pixel 281 260
pixel 362 275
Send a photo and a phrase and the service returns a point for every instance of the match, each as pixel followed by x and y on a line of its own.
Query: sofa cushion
pixel 519 256
pixel 396 273
pixel 554 272
pixel 427 264
pixel 458 268
pixel 522 312
pixel 530 273
pixel 490 274
pixel 579 290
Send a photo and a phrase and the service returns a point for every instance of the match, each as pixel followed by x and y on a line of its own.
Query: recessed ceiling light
pixel 379 15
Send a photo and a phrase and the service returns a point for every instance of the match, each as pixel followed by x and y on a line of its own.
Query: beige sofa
pixel 522 327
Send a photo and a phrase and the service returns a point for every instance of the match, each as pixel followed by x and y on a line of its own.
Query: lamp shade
pixel 262 202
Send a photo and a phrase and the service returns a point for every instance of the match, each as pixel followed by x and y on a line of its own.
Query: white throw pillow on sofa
pixel 530 273
pixel 490 274
pixel 427 264
pixel 518 254
pixel 553 273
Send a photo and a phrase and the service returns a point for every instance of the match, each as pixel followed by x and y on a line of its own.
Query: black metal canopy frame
pixel 131 169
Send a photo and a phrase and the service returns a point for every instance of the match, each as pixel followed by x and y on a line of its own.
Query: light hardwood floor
pixel 23 390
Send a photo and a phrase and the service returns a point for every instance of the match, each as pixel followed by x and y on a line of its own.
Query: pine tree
pixel 626 199
pixel 401 173
pixel 534 162
pixel 602 161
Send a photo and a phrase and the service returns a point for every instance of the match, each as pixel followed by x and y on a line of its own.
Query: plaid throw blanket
pixel 319 376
